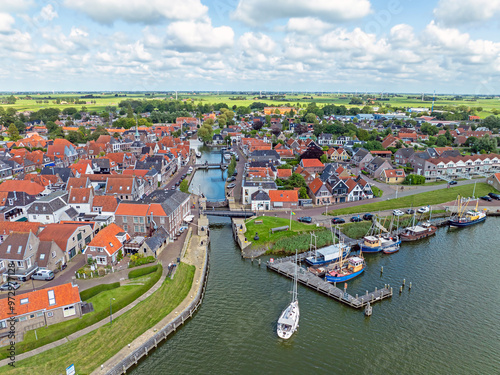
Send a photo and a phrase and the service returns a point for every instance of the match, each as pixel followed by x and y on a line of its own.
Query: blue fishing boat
pixel 466 218
pixel 376 244
pixel 352 267
pixel 328 254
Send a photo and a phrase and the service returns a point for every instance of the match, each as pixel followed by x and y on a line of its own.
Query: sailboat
pixel 394 248
pixel 465 218
pixel 288 321
pixel 346 269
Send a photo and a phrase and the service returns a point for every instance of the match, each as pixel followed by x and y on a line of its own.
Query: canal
pixel 447 323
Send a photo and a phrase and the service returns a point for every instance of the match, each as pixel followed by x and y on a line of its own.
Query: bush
pixel 365 172
pixel 91 292
pixel 414 179
pixel 376 191
pixel 139 260
pixel 141 272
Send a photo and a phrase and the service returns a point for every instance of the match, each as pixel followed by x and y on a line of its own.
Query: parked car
pixel 305 219
pixel 367 216
pixel 235 173
pixel 237 157
pixel 10 285
pixel 45 275
pixel 494 196
pixel 231 185
pixel 356 219
pixel 452 182
pixel 398 213
pixel 231 179
pixel 338 220
pixel 486 198
pixel 410 211
pixel 423 210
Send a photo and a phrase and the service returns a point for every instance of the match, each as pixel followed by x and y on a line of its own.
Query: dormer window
pixel 19 249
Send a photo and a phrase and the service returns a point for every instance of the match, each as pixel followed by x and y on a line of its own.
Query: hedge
pixel 91 292
pixel 141 261
pixel 141 272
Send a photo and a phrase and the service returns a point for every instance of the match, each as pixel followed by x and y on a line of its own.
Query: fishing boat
pixel 288 321
pixel 328 254
pixel 465 218
pixel 346 270
pixel 417 232
pixel 198 154
pixel 375 243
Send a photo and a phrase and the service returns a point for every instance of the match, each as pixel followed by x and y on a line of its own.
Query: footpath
pixel 194 254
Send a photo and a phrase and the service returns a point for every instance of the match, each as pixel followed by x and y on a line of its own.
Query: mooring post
pixel 404 282
pixel 382 269
pixel 400 289
pixel 410 285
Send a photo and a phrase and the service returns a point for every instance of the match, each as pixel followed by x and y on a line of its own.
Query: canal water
pixel 447 324
pixel 210 182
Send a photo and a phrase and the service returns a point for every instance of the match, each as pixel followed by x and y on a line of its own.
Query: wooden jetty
pixel 286 267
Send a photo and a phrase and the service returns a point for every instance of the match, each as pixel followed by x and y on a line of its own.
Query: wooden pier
pixel 286 267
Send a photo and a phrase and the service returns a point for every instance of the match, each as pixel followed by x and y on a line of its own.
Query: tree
pixel 184 186
pixel 324 158
pixel 442 141
pixel 312 153
pixel 257 125
pixel 268 119
pixel 310 118
pixel 13 133
pixel 491 122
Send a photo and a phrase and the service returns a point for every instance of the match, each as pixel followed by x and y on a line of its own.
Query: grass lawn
pixel 268 222
pixel 123 295
pixel 417 200
pixel 90 351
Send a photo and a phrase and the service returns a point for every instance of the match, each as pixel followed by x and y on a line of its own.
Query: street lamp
pixel 110 311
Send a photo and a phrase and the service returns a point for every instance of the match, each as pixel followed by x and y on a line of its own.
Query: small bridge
pixel 211 166
pixel 217 204
pixel 227 213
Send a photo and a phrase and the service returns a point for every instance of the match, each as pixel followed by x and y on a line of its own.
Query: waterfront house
pixel 284 198
pixel 319 192
pixel 41 308
pixel 106 245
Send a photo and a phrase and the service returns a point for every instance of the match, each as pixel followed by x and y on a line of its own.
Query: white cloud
pixel 139 11
pixel 15 5
pixel 6 22
pixel 307 25
pixel 255 12
pixel 257 42
pixel 191 35
pixel 78 33
pixel 48 13
pixel 458 12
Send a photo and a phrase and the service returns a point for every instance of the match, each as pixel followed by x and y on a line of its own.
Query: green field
pixel 422 199
pixel 90 351
pixel 122 295
pixel 267 238
pixel 303 99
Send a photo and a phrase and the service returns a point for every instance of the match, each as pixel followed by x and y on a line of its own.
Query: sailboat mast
pixel 294 294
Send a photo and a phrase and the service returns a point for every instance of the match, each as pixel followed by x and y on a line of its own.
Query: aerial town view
pixel 249 187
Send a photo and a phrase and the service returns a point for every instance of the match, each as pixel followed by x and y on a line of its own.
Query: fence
pixel 133 358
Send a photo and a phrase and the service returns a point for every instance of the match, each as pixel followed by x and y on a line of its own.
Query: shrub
pixel 139 261
pixel 414 179
pixel 376 191
pixel 142 271
pixel 91 292
pixel 302 241
pixel 119 256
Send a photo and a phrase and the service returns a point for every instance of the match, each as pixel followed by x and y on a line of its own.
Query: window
pixel 8 249
pixel 19 263
pixel 141 220
pixel 24 301
pixel 124 219
pixel 3 324
pixel 69 310
pixel 53 254
pixel 125 227
pixel 136 219
pixel 52 297
pixel 19 249
pixel 162 220
pixel 23 318
pixel 47 217
pixel 39 314
pixel 50 314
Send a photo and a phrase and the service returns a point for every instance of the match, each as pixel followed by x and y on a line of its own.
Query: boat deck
pixel 287 267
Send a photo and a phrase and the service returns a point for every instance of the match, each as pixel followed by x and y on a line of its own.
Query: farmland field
pixel 245 99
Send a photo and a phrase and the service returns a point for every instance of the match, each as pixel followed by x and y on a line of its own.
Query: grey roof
pixel 170 200
pixel 265 153
pixel 156 240
pixel 71 212
pixel 13 243
pixel 152 172
pixel 405 152
pixel 377 161
pixel 260 195
pixel 217 137
pixel 19 199
pixel 64 173
pixel 49 204
pixel 361 153
pixel 269 185
pixel 44 249
pixel 101 163
pixel 264 164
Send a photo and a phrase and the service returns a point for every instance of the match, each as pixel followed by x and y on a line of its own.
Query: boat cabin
pixel 372 241
pixel 356 264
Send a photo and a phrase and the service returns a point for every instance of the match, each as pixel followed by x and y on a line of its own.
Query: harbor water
pixel 448 323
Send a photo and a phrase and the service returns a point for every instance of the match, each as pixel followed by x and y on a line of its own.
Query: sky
pixel 450 46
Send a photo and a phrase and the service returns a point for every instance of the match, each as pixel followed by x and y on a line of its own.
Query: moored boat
pixel 198 154
pixel 376 244
pixel 391 249
pixel 466 218
pixel 320 271
pixel 417 232
pixel 347 270
pixel 288 321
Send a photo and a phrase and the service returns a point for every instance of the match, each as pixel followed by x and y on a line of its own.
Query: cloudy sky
pixel 451 46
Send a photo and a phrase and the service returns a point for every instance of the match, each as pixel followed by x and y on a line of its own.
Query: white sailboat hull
pixel 289 321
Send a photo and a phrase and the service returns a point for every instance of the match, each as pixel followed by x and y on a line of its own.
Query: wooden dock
pixel 286 267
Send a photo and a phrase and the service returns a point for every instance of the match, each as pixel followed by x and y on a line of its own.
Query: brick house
pixel 319 192
pixel 106 245
pixel 312 165
pixel 284 198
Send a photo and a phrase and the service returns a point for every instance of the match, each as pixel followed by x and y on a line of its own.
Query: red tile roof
pixel 311 163
pixel 7 227
pixel 284 173
pixel 65 294
pixel 284 196
pixel 31 188
pixel 60 233
pixel 79 196
pixel 393 173
pixel 107 202
pixel 106 238
pixel 315 185
pixel 131 209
